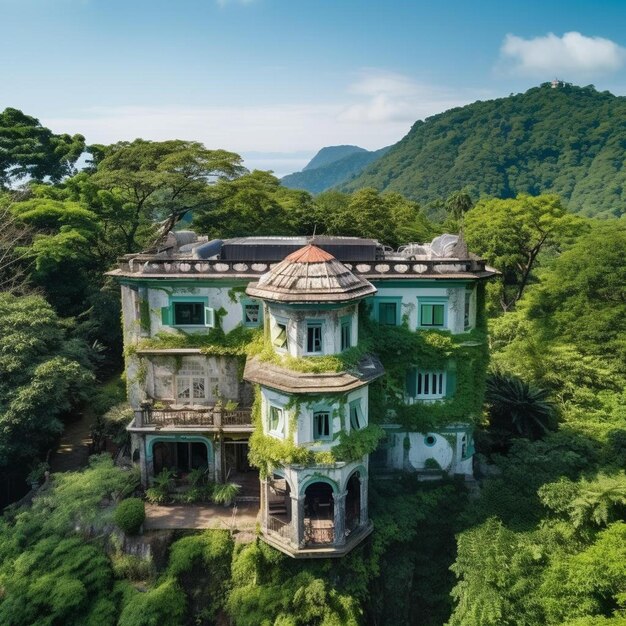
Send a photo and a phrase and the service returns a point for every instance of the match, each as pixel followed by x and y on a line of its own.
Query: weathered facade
pixel 193 387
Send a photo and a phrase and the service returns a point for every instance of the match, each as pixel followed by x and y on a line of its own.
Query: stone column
pixel 146 472
pixel 264 503
pixel 364 513
pixel 297 518
pixel 299 536
pixel 217 452
pixel 340 517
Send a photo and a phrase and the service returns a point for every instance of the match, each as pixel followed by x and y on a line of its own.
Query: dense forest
pixel 569 140
pixel 330 167
pixel 539 540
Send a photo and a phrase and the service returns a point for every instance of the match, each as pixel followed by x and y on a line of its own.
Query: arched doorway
pixel 319 513
pixel 353 502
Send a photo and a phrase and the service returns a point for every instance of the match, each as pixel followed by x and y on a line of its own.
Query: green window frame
pixel 276 420
pixel 322 425
pixel 248 308
pixel 432 312
pixel 346 333
pixel 357 420
pixel 314 337
pixel 194 308
pixel 387 310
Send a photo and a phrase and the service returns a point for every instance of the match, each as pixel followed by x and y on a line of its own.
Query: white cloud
pixel 387 97
pixel 573 52
pixel 375 110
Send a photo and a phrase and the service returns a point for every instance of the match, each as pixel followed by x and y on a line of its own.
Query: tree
pixel 137 184
pixel 43 374
pixel 511 234
pixel 253 204
pixel 582 296
pixel 28 149
pixel 14 256
pixel 518 407
pixel 458 204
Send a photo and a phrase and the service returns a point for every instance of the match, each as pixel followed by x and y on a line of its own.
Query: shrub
pixel 129 515
pixel 133 567
pixel 431 464
pixel 223 494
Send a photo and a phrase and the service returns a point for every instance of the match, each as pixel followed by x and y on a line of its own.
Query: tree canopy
pixel 28 149
pixel 545 140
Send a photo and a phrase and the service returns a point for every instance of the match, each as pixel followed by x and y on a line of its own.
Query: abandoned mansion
pixel 297 366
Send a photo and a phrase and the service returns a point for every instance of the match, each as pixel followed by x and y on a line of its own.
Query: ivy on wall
pixel 267 452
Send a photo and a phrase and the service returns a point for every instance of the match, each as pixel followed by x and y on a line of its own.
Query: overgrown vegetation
pixel 544 140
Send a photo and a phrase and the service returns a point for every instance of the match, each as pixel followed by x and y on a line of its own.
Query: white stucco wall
pixel 296 320
pixel 446 450
pixel 303 433
pixel 411 294
pixel 218 298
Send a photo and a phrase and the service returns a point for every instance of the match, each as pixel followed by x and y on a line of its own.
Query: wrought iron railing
pixel 279 526
pixel 214 417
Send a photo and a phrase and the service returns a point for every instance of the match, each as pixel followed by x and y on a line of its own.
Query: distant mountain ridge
pixel 331 166
pixel 330 154
pixel 568 140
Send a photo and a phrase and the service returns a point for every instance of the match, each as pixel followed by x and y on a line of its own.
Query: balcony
pixel 213 418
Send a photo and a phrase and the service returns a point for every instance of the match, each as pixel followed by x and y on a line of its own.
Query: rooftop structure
pixel 310 275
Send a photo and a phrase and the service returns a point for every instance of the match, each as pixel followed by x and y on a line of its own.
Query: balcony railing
pixel 211 417
pixel 279 526
pixel 148 264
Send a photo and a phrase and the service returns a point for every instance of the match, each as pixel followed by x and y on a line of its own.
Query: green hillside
pixel 569 140
pixel 330 154
pixel 329 171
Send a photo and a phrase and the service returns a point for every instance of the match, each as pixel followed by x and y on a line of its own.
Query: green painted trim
pixel 375 301
pixel 221 283
pixel 318 479
pixel 322 306
pixel 245 301
pixel 428 282
pixel 433 300
pixel 162 438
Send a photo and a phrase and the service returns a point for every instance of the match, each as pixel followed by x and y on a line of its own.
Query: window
pixel 251 313
pixel 432 312
pixel 466 312
pixel 191 382
pixel 356 415
pixel 346 334
pixel 430 440
pixel 388 313
pixel 188 311
pixel 321 425
pixel 276 421
pixel 279 335
pixel 423 385
pixel 188 314
pixel 314 337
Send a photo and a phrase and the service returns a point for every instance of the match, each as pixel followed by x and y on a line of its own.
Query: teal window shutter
pixel 451 382
pixel 166 315
pixel 209 317
pixel 411 389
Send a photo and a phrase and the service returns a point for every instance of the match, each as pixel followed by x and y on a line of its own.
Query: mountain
pixel 331 166
pixel 330 154
pixel 569 140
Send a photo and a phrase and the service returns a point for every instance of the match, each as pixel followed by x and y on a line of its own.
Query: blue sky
pixel 275 80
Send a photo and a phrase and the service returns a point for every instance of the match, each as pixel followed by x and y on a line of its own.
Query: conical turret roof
pixel 310 275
